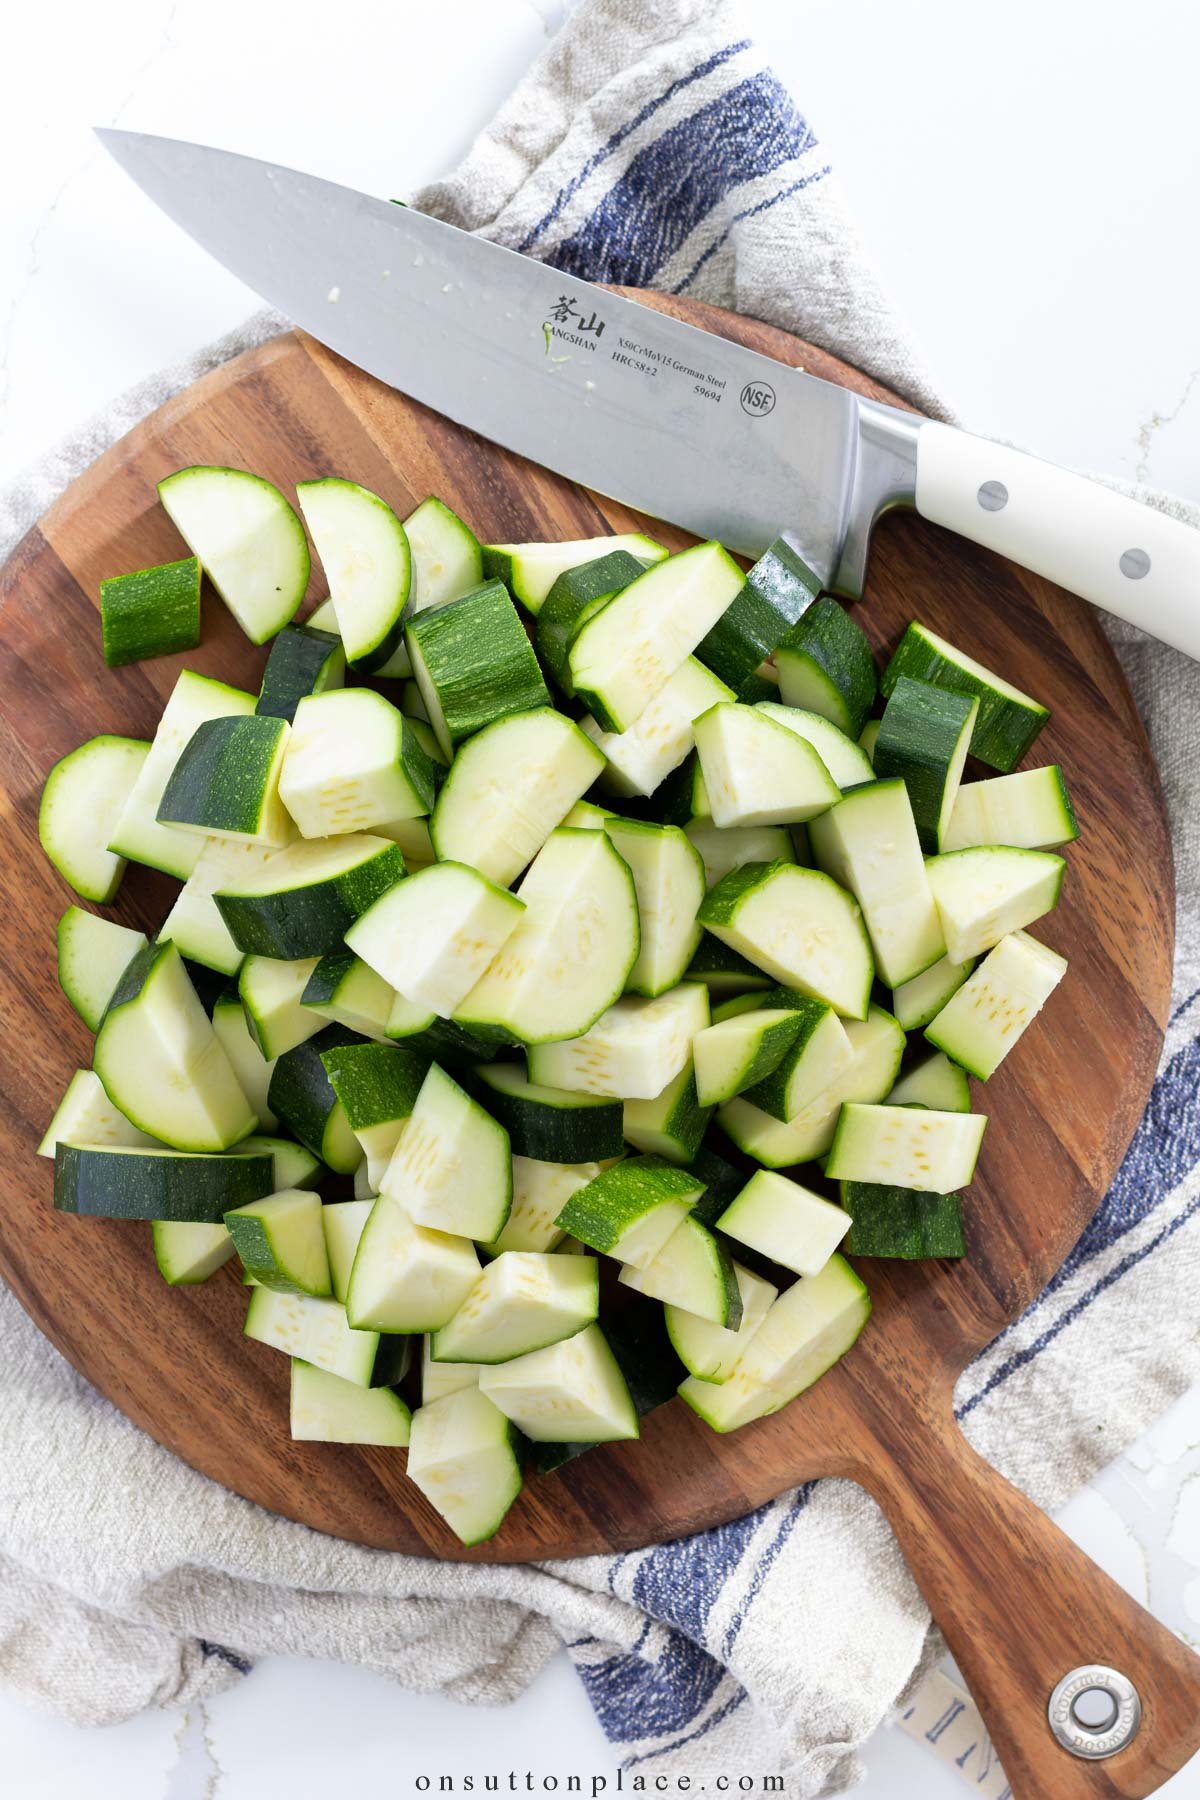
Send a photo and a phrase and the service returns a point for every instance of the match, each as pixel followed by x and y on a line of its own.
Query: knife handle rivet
pixel 993 496
pixel 1135 564
pixel 1094 1711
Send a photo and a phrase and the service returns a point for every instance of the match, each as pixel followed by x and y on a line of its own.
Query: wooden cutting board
pixel 1062 1108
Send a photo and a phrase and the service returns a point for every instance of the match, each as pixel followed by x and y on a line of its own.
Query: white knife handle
pixel 1125 557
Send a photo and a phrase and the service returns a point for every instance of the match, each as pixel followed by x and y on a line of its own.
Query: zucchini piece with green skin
pixel 150 612
pixel 868 737
pixel 406 1277
pixel 364 551
pixel 523 1301
pixel 642 759
pixel 900 1222
pixel 673 1123
pixel 226 782
pixel 572 1392
pixel 397 666
pixel 586 816
pixel 447 561
pixel 474 664
pixel 807 1329
pixel 625 655
pixel 825 666
pixel 817 1055
pixel 777 591
pixel 302 1095
pixel 692 1271
pixel 441 1040
pixel 550 1124
pixel 86 1115
pixel 508 788
pixel 723 851
pixel 343 1225
pixel 869 843
pixel 642 1351
pixel 440 1379
pixel 432 937
pixel 84 795
pixel 917 1001
pixel 847 762
pixel 1028 811
pixel 324 1409
pixel 304 899
pixel 540 1191
pixel 129 1182
pixel 982 1022
pixel 136 832
pixel 529 571
pixel 252 1068
pixel 668 875
pixel 923 739
pixel 709 1351
pixel 909 1147
pixel 878 1046
pixel 281 1241
pixel 1007 721
pixel 344 991
pixel 412 835
pixel 249 541
pixel 745 1044
pixel 723 1182
pixel 935 1082
pixel 799 926
pixel 162 1063
pixel 452 1170
pixel 683 796
pixel 271 990
pixel 630 1210
pixel 303 660
pixel 576 595
pixel 465 1457
pixel 723 971
pixel 294 1165
pixel 631 1050
pixel 983 894
pixel 786 1222
pixel 573 949
pixel 93 954
pixel 353 762
pixel 194 923
pixel 377 1086
pixel 188 1254
pixel 317 1330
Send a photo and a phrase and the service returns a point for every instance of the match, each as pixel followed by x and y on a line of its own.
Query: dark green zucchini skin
pixel 302 661
pixel 309 921
pixel 674 800
pixel 374 1082
pixel 1004 726
pixel 637 1337
pixel 221 779
pixel 301 1094
pixel 479 660
pixel 727 970
pixel 557 1134
pixel 778 591
pixel 151 612
pixel 918 737
pixel 575 596
pixel 723 1182
pixel 104 1183
pixel 901 1222
pixel 455 1046
pixel 324 984
pixel 837 646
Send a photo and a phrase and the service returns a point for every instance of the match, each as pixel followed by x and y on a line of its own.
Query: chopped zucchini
pixel 325 1409
pixel 825 666
pixel 573 1392
pixel 474 664
pixel 251 1067
pixel 343 990
pixel 377 1087
pixel 692 1271
pixel 353 763
pixel 916 1002
pixel 343 1226
pixel 785 1222
pixel 540 1191
pixel 935 1082
pixel 980 1024
pixel 122 1181
pixel 194 923
pixel 151 612
pixel 909 1147
pixel 226 782
pixel 818 1053
pixel 1029 811
pixel 641 759
pixel 711 1352
pixel 630 1210
pixel 440 1379
pixel 923 740
pixel 248 539
pixel 724 851
pixel 188 1254
pixel 451 1170
pixel 984 894
pixel 868 842
pixel 799 926
pixel 93 954
pixel 742 1048
pixel 757 772
pixel 364 550
pixel 668 874
pixel 303 660
pixel 899 1222
pixel 576 595
pixel 302 1095
pixel 305 898
pixel 631 1049
pixel 83 798
pixel 406 1277
pixel 672 1124
pixel 447 561
pixel 281 1241
pixel 1007 721
pixel 529 571
pixel 463 1456
pixel 271 992
pixel 432 937
pixel 775 594
pixel 523 1301
pixel 847 763
pixel 551 1125
pixel 316 1330
pixel 86 1115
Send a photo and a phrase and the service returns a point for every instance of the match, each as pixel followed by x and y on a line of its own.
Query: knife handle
pixel 1128 558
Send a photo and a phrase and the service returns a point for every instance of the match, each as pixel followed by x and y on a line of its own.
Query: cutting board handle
pixel 1021 1606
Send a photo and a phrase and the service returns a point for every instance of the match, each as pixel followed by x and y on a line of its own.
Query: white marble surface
pixel 1028 180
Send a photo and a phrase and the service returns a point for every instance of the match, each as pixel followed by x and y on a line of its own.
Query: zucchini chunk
pixel 724 851
pixel 463 1456
pixel 293 1165
pixel 825 666
pixel 573 1392
pixel 194 923
pixel 725 974
pixel 711 1352
pixel 984 894
pixel 303 900
pixel 406 1277
pixel 786 1222
pixel 364 551
pixel 377 1087
pixel 923 739
pixel 672 1124
pixel 281 1241
pixel 741 1048
pixel 1007 721
pixel 86 1115
pixel 980 1024
pixel 694 1272
pixel 935 1082
pixel 668 874
pixel 548 1124
pixel 249 541
pixel 509 787
pixel 93 954
pixel 128 1182
pixel 353 762
pixel 473 664
pixel 576 595
pixel 303 660
pixel 1029 811
pixel 447 561
pixel 151 612
pixel 226 782
pixel 641 759
pixel 898 1146
pixel 302 1095
pixel 84 795
pixel 271 990
pixel 917 1001
pixel 777 591
pixel 440 1379
pixel 452 1170
pixel 343 1225
pixel 540 1191
pixel 818 1053
pixel 631 1210
pixel 756 772
pixel 317 1331
pixel 432 937
pixel 529 571
pixel 799 926
pixel 642 1350
pixel 631 1049
pixel 252 1068
pixel 325 1409
pixel 523 1301
pixel 898 1222
pixel 847 762
pixel 188 1254
pixel 868 842
pixel 343 990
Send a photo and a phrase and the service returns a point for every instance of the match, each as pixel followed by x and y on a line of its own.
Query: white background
pixel 1028 179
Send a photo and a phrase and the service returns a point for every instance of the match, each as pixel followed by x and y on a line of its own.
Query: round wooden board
pixel 1062 1108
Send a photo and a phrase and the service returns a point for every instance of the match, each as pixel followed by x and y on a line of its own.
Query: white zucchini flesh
pixel 194 923
pixel 668 874
pixel 407 1278
pixel 451 1171
pixel 540 1191
pixel 723 851
pixel 735 1051
pixel 413 837
pixel 362 1002
pixel 799 926
pixel 869 843
pixel 281 1241
pixel 523 1301
pixel 462 1456
pixel 984 894
pixel 270 990
pixel 935 1082
pixel 446 558
pixel 691 1271
pixel 571 1393
pixel 640 759
pixel 352 764
pixel 632 1050
pixel 711 1352
pixel 786 1222
pixel 982 1022
pixel 433 936
pixel 86 1115
pixel 188 1253
pixel 249 542
pixel 293 1165
pixel 365 555
pixel 314 1329
pixel 93 954
pixel 908 1147
pixel 867 739
pixel 84 795
pixel 440 1379
pixel 631 1210
pixel 343 1225
pixel 251 1067
pixel 137 833
pixel 508 787
pixel 756 772
pixel 806 1330
pixel 325 1409
pixel 573 948
pixel 846 761
pixel 1027 811
pixel 531 570
pixel 916 1002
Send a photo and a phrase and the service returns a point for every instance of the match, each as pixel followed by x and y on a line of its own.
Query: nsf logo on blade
pixel 757 398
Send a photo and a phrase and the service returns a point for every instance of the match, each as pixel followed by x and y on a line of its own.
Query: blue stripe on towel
pixel 636 1699
pixel 751 212
pixel 679 1583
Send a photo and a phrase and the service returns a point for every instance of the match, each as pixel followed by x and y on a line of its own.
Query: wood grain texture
pixel 1019 1605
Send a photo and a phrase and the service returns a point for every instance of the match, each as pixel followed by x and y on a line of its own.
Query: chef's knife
pixel 670 419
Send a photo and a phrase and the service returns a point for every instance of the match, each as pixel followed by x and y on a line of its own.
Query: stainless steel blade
pixel 669 419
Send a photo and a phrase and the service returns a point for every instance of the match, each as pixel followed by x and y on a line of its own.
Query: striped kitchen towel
pixel 649 145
